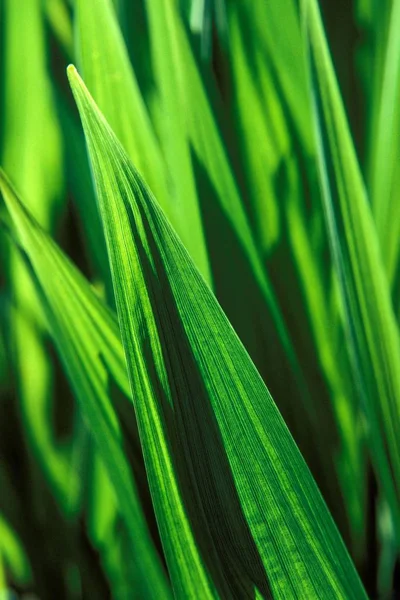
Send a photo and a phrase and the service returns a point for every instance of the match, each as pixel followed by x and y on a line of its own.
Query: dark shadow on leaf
pixel 204 474
pixel 243 302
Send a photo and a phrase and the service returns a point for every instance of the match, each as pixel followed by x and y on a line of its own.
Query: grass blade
pixel 385 150
pixel 372 330
pixel 106 67
pixel 87 337
pixel 224 471
pixel 32 154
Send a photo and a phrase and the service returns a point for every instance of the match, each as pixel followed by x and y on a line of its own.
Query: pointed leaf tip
pixel 72 72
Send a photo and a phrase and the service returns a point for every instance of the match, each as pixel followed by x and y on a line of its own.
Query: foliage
pixel 199 342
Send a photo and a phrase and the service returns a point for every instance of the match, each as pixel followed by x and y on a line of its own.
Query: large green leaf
pixel 87 337
pixel 372 330
pixel 224 472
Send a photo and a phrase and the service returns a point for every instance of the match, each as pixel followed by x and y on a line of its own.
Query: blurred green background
pixel 61 531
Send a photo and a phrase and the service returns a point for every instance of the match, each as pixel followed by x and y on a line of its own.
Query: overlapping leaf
pixel 87 337
pixel 32 154
pixel 372 331
pixel 108 71
pixel 249 299
pixel 287 222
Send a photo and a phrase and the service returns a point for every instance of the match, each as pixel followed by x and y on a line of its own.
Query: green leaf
pixel 33 157
pixel 108 533
pixel 224 472
pixel 87 337
pixel 168 65
pixel 81 186
pixel 268 82
pixel 385 171
pixel 13 556
pixel 371 326
pixel 228 232
pixel 107 69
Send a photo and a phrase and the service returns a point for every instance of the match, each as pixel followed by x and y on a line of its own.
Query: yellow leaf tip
pixel 72 72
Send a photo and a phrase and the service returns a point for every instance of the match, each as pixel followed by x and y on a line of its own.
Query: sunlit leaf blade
pixel 385 171
pixel 108 533
pixel 30 121
pixel 198 125
pixel 169 62
pixel 351 462
pixel 60 21
pixel 32 154
pixel 106 67
pixel 87 337
pixel 224 472
pixel 268 79
pixel 275 146
pixel 372 331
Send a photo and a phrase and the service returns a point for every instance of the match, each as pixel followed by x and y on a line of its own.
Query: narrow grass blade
pixel 32 154
pixel 224 472
pixel 106 68
pixel 82 191
pixel 384 165
pixel 108 533
pixel 60 20
pixel 327 331
pixel 372 330
pixel 169 63
pixel 87 337
pixel 268 82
